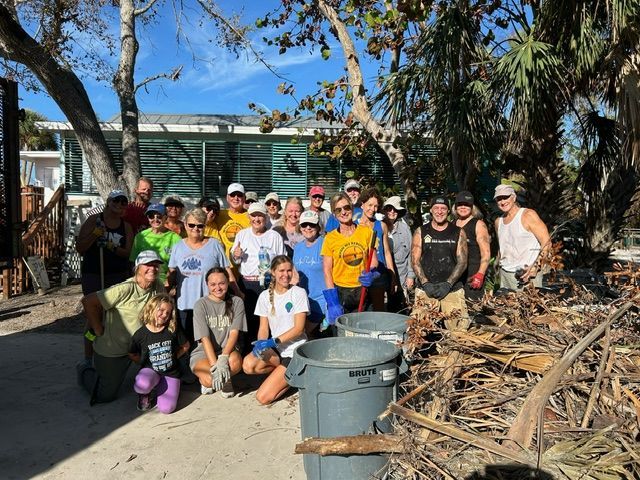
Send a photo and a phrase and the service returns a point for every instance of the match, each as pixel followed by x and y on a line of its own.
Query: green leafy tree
pixel 33 138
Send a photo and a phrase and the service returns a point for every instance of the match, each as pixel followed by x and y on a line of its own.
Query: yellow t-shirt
pixel 211 231
pixel 229 224
pixel 349 255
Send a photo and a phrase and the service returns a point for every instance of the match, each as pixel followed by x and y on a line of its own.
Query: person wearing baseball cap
pixel 211 206
pixel 252 251
pixel 249 198
pixel 469 218
pixel 175 207
pixel 112 317
pixel 232 219
pixel 400 240
pixel 272 202
pixel 308 263
pixel 157 238
pixel 523 240
pixel 316 197
pixel 439 258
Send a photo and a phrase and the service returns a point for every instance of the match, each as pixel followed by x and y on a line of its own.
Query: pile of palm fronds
pixel 535 384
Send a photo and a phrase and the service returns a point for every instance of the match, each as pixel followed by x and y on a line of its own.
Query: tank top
pixel 112 262
pixel 518 246
pixel 473 255
pixel 439 252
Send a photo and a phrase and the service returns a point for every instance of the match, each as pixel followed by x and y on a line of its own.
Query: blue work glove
pixel 441 290
pixel 334 308
pixel 260 346
pixel 367 278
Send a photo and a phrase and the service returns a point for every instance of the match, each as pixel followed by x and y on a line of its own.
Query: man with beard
pixel 135 213
pixel 439 258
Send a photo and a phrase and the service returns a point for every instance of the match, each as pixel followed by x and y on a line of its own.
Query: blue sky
pixel 221 83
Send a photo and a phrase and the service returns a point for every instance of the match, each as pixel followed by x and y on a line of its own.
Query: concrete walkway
pixel 48 430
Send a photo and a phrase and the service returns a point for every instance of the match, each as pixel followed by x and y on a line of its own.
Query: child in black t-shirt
pixel 156 346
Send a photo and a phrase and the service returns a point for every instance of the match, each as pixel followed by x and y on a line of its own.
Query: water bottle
pixel 264 263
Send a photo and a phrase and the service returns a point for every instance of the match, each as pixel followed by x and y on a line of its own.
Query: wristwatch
pixel 277 340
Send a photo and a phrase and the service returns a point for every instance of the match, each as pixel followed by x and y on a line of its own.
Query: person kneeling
pixel 218 320
pixel 282 310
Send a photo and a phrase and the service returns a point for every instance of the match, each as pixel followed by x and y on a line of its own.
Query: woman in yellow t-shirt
pixel 344 257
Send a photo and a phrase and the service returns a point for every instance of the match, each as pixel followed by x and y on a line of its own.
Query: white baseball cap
pixel 147 256
pixel 257 207
pixel 309 216
pixel 235 187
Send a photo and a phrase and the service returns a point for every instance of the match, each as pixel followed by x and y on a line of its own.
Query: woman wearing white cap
pixel 400 242
pixel 308 263
pixel 245 253
pixel 112 316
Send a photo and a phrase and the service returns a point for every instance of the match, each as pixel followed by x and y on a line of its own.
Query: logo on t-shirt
pixel 289 306
pixel 352 254
pixel 230 231
pixel 193 264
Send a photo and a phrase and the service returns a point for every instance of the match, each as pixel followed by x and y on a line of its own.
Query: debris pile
pixel 541 382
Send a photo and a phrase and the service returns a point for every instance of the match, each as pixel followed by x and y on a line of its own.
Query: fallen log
pixel 352 445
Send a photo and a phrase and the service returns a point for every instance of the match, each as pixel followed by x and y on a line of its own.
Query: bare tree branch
pixel 173 76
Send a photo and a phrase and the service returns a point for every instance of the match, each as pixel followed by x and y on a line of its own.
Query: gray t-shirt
pixel 210 320
pixel 192 266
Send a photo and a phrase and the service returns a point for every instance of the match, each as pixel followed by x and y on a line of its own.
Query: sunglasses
pixel 318 196
pixel 502 197
pixel 339 210
pixel 271 203
pixel 308 225
pixel 389 209
pixel 154 215
pixel 236 194
pixel 250 201
pixel 212 209
pixel 173 205
pixel 121 201
pixel 353 189
pixel 463 204
pixel 192 226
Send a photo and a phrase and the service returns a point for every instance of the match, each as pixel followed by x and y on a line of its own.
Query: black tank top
pixel 473 256
pixel 439 252
pixel 112 262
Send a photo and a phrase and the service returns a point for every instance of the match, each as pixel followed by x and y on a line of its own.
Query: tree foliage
pixel 31 137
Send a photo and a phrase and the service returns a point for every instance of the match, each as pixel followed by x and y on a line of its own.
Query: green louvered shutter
pixel 323 170
pixel 289 170
pixel 73 168
pixel 253 168
pixel 220 158
pixel 175 166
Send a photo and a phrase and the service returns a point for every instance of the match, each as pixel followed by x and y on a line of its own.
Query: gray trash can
pixel 391 327
pixel 344 384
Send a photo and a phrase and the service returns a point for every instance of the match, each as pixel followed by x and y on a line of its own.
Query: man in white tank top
pixel 521 235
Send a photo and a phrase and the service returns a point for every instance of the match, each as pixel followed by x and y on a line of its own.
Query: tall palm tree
pixel 542 60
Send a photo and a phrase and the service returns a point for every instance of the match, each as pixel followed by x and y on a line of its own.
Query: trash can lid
pixel 347 352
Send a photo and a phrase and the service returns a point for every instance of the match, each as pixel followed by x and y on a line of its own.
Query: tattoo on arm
pixel 461 259
pixel 416 254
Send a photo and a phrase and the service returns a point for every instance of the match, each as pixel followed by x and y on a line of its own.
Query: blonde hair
pixel 475 213
pixel 297 201
pixel 198 215
pixel 275 263
pixel 340 196
pixel 148 313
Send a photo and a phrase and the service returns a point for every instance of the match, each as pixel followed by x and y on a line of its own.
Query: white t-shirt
pixel 251 243
pixel 286 306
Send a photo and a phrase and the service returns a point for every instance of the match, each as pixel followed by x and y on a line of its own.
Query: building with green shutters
pixel 198 155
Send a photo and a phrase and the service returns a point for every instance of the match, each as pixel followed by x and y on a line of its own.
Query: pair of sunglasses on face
pixel 339 210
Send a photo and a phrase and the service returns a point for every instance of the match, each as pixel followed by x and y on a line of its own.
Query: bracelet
pixel 90 335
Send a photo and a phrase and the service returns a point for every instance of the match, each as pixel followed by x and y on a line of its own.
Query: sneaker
pixel 206 390
pixel 227 390
pixel 145 402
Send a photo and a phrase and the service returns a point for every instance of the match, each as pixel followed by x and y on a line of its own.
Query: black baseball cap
pixel 464 197
pixel 439 200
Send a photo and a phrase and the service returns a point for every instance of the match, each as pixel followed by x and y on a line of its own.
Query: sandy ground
pixel 50 431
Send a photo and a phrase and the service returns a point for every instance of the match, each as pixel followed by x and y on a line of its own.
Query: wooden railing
pixel 44 237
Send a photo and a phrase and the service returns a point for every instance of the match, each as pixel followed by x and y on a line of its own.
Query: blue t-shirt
pixel 308 263
pixel 191 267
pixel 333 223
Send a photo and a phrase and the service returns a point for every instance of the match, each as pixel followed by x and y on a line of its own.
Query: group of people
pixel 218 291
